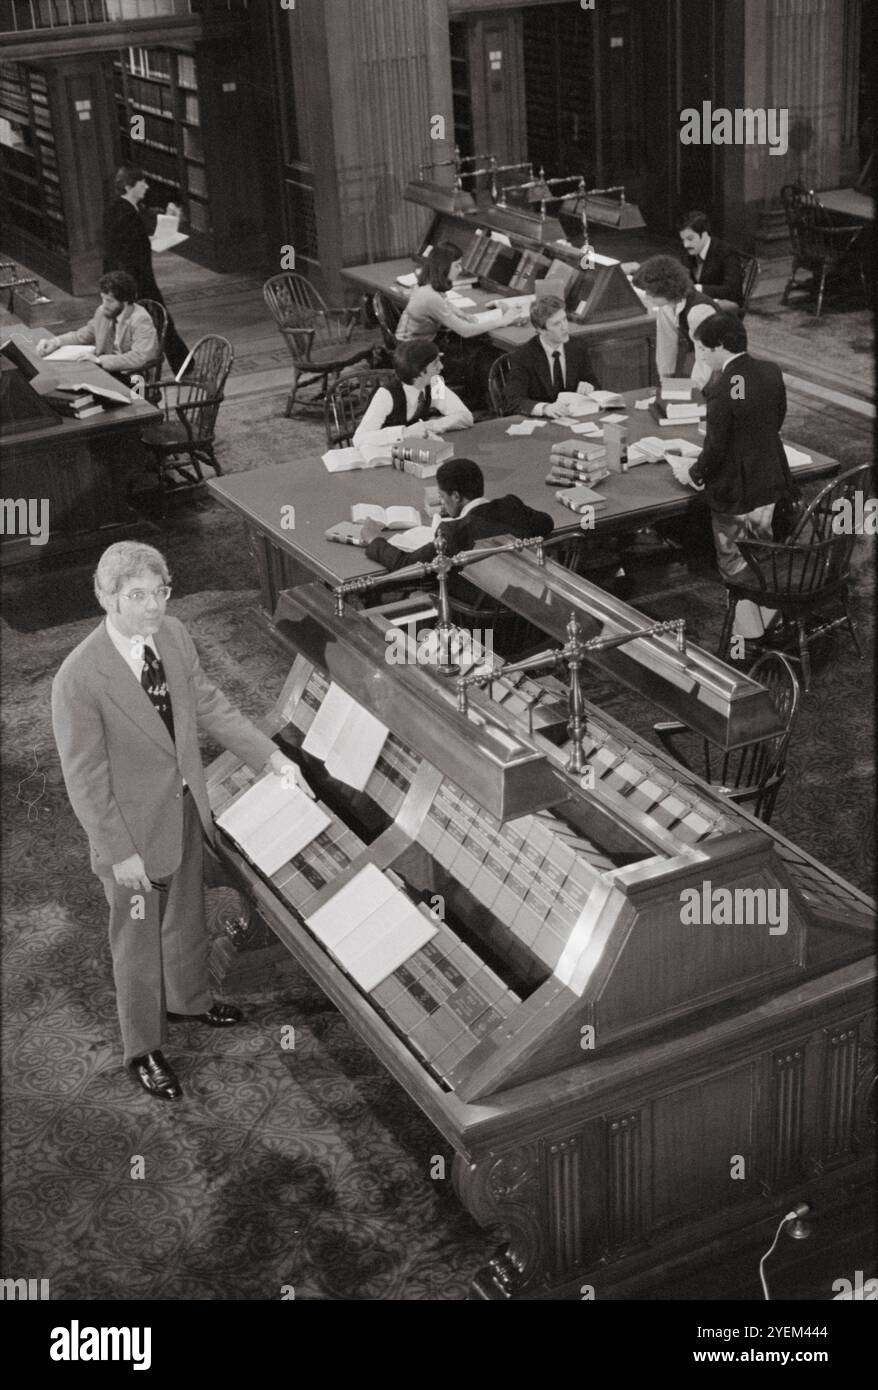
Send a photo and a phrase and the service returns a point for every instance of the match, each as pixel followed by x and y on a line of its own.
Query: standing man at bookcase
pixel 127 706
pixel 127 247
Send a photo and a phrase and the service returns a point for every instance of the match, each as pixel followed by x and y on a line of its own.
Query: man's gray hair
pixel 123 561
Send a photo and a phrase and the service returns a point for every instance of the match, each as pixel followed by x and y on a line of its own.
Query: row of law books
pixel 421 458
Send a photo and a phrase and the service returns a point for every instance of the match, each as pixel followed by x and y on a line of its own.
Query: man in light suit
pixel 121 333
pixel 126 707
pixel 549 363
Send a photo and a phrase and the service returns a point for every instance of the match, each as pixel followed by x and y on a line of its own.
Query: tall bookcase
pixel 160 86
pixel 29 177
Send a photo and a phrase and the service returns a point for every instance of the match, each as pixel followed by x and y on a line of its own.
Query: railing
pixel 24 16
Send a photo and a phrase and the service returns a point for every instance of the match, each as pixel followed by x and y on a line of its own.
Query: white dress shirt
pixel 130 649
pixel 372 430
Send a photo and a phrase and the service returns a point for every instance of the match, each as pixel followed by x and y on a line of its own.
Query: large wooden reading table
pixel 288 509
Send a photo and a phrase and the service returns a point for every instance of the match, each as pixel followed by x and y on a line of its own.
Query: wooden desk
pixel 857 206
pixel 81 468
pixel 623 350
pixel 286 556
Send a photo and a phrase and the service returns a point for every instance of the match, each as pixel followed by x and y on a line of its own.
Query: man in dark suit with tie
pixel 467 516
pixel 742 467
pixel 550 363
pixel 127 704
pixel 715 266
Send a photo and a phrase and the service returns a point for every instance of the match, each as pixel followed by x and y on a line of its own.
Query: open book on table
pixel 394 518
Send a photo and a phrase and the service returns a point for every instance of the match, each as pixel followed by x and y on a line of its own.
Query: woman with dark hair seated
pixel 428 314
pixel 417 404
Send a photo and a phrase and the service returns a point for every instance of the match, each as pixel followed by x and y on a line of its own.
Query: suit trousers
pixel 751 619
pixel 160 948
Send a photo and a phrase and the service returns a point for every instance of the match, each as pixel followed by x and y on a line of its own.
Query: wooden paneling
pixel 389 77
pixel 86 157
pixel 717 1122
pixel 496 71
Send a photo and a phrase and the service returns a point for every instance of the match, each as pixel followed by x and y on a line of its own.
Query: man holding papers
pixel 550 364
pixel 417 404
pixel 121 335
pixel 742 467
pixel 127 705
pixel 467 516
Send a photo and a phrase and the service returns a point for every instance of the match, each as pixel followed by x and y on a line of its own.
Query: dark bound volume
pixel 602 294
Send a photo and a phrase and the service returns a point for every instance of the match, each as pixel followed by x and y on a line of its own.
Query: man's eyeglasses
pixel 163 593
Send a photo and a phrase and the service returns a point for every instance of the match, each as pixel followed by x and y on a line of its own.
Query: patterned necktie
pixel 557 374
pixel 153 681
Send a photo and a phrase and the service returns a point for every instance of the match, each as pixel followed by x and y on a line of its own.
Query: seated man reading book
pixel 121 335
pixel 467 516
pixel 417 405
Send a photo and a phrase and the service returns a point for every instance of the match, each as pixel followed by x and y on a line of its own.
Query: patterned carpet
pixel 310 1168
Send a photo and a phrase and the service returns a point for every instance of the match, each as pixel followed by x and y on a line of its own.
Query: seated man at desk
pixel 681 306
pixel 549 363
pixel 715 266
pixel 121 333
pixel 742 467
pixel 417 404
pixel 467 516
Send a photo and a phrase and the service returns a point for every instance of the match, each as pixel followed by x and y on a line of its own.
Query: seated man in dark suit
pixel 742 467
pixel 714 266
pixel 467 516
pixel 550 363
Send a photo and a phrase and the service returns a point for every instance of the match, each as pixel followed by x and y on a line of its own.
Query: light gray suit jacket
pixel 123 773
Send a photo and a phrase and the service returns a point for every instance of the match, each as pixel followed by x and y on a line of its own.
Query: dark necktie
pixel 557 374
pixel 699 267
pixel 153 681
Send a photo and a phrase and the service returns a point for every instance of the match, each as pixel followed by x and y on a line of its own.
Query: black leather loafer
pixel 217 1016
pixel 156 1075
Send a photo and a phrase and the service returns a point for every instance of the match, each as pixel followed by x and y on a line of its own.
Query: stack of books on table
pixel 421 457
pixel 572 461
pixel 580 498
pixel 76 404
pixel 674 404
